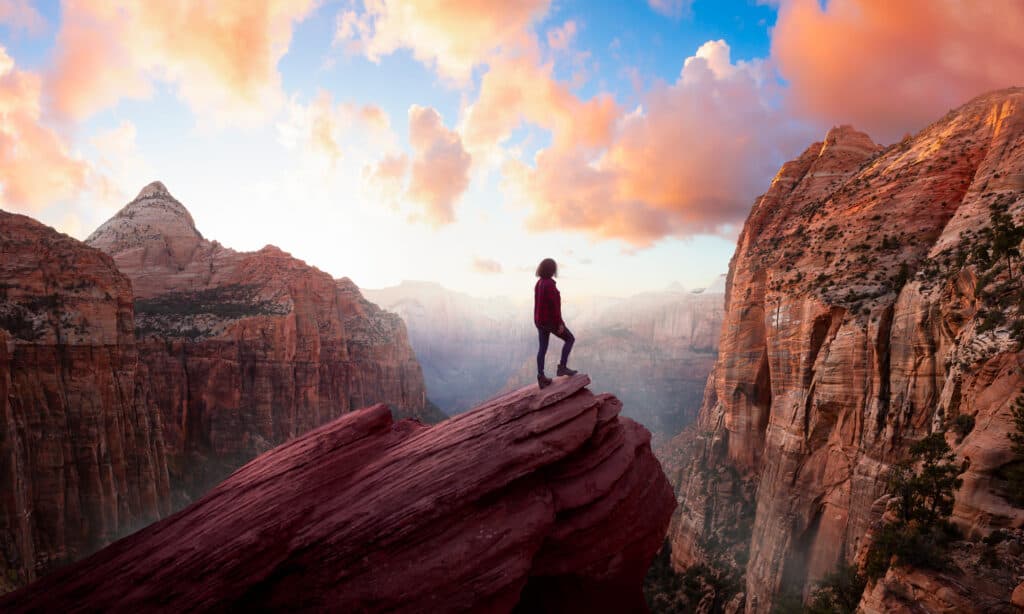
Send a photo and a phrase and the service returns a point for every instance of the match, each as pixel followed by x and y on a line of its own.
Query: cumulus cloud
pixel 671 8
pixel 431 180
pixel 519 89
pixel 36 167
pixel 118 164
pixel 327 129
pixel 439 172
pixel 890 68
pixel 21 15
pixel 453 37
pixel 486 265
pixel 221 56
pixel 689 160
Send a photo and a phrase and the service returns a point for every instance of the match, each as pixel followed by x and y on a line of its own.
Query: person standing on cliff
pixel 547 316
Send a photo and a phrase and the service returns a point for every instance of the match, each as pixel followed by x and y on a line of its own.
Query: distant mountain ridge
pixel 654 349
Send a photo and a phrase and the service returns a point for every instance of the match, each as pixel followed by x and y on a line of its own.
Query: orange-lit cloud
pixel 689 160
pixel 328 130
pixel 222 56
pixel 486 266
pixel 439 173
pixel 891 67
pixel 36 167
pixel 433 179
pixel 518 89
pixel 21 15
pixel 453 36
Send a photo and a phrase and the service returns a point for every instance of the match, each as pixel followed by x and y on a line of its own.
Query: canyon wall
pixel 247 350
pixel 81 445
pixel 537 501
pixel 858 321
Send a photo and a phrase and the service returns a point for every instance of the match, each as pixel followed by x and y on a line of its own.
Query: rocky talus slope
pixel 247 350
pixel 81 451
pixel 535 501
pixel 858 320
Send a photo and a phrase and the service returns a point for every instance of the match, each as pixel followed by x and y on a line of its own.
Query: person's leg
pixel 569 340
pixel 543 336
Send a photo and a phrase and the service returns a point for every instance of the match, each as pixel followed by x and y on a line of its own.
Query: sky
pixel 461 141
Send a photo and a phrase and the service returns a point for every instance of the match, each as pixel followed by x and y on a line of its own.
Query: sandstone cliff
pixel 857 321
pixel 545 500
pixel 247 350
pixel 81 449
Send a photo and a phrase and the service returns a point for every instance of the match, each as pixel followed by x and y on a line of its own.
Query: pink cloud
pixel 21 15
pixel 439 173
pixel 453 37
pixel 36 167
pixel 689 160
pixel 891 67
pixel 518 89
pixel 222 56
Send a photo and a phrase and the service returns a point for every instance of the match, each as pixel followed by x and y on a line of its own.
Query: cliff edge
pixel 536 499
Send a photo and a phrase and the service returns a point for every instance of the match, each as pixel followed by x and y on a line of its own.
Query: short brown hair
pixel 547 268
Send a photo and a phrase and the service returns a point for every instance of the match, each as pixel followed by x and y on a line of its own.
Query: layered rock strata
pixel 537 500
pixel 81 445
pixel 859 318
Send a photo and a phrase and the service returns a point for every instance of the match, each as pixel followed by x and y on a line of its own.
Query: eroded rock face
pixel 81 446
pixel 852 329
pixel 247 350
pixel 545 499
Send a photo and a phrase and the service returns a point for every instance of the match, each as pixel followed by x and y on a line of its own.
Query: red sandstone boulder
pixel 545 499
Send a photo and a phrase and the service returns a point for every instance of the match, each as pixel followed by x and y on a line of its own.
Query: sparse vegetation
pixel 838 593
pixel 922 490
pixel 963 424
pixel 1015 472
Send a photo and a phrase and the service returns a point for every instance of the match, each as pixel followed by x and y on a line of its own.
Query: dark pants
pixel 544 334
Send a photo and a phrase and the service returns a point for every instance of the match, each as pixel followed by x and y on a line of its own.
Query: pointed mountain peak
pixel 847 138
pixel 157 188
pixel 154 215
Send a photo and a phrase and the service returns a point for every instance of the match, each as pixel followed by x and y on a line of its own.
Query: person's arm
pixel 556 297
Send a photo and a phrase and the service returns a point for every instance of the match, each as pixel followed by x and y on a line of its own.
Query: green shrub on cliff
pixel 922 490
pixel 1015 472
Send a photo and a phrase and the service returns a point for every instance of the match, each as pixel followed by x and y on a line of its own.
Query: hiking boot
pixel 564 370
pixel 542 381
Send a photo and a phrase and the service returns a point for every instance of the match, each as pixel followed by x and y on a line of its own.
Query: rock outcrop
pixel 654 350
pixel 247 350
pixel 81 450
pixel 545 500
pixel 859 319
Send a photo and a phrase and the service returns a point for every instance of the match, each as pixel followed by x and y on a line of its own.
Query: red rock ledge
pixel 541 500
